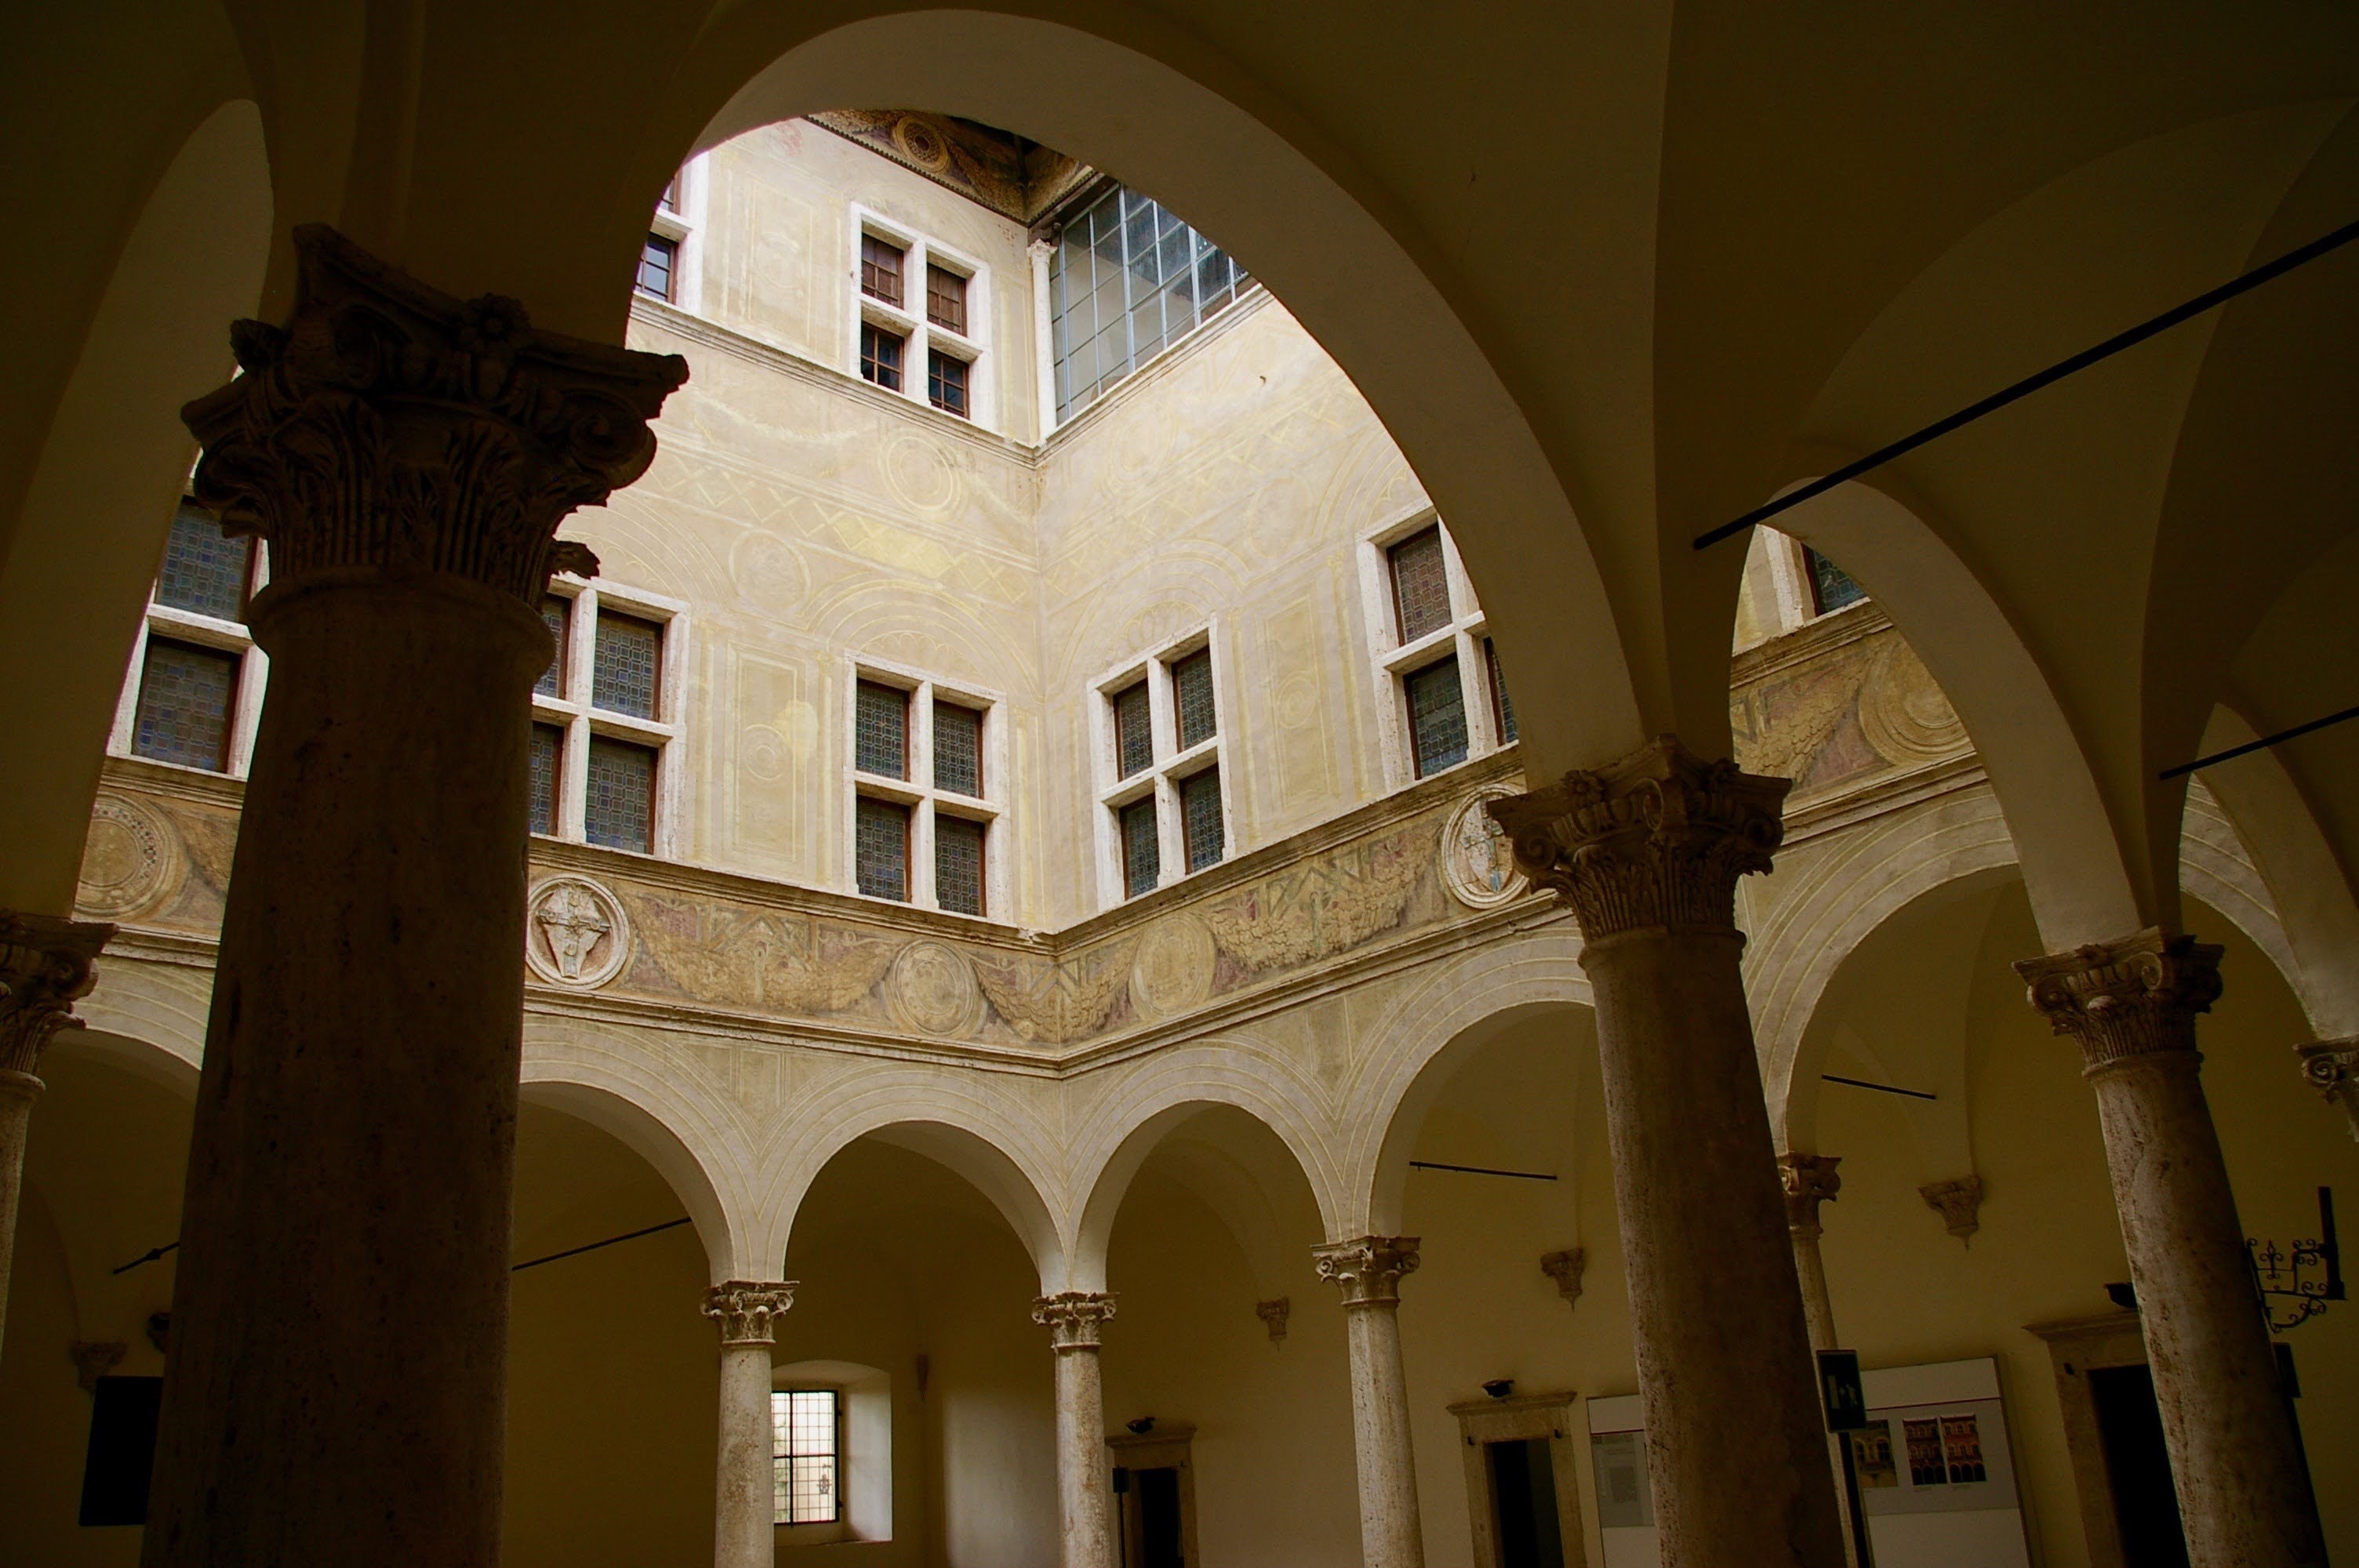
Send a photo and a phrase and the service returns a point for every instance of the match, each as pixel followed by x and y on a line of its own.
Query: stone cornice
pixel 1882 795
pixel 1811 641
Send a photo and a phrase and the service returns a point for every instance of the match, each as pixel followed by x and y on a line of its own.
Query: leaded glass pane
pixel 1421 584
pixel 805 1481
pixel 1200 818
pixel 1832 588
pixel 1192 690
pixel 548 745
pixel 1134 729
pixel 1501 707
pixel 553 615
pixel 1437 716
pixel 880 849
pixel 958 748
pixel 958 864
pixel 624 672
pixel 1129 279
pixel 185 694
pixel 619 809
pixel 1142 857
pixel 880 730
pixel 205 571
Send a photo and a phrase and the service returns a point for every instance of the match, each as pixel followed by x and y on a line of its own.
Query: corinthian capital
pixel 1367 1269
pixel 747 1310
pixel 45 965
pixel 1810 1180
pixel 2125 1000
pixel 1656 840
pixel 1073 1317
pixel 390 427
pixel 2333 1068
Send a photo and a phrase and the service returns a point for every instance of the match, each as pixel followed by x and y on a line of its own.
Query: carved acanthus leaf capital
pixel 1959 1201
pixel 1655 840
pixel 1073 1318
pixel 46 965
pixel 1273 1314
pixel 2332 1067
pixel 1566 1268
pixel 1810 1180
pixel 390 427
pixel 747 1309
pixel 2125 1000
pixel 1367 1269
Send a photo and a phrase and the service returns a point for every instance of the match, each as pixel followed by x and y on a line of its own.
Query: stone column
pixel 2235 1456
pixel 45 968
pixel 1810 1180
pixel 745 1508
pixel 339 1328
pixel 1084 1479
pixel 1648 851
pixel 1368 1271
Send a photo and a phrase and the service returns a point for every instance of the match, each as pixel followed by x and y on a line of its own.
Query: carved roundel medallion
pixel 1173 970
pixel 575 932
pixel 1476 861
pixel 131 859
pixel 930 990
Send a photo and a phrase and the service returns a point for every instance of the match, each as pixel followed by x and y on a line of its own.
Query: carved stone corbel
pixel 2332 1067
pixel 1959 1201
pixel 1566 1269
pixel 1273 1314
pixel 94 1359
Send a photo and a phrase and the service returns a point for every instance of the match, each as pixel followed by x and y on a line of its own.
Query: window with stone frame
pixel 193 694
pixel 1163 810
pixel 806 1447
pixel 1429 644
pixel 927 814
pixel 922 313
pixel 604 745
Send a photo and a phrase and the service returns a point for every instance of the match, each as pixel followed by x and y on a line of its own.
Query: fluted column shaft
pixel 2235 1457
pixel 744 1507
pixel 340 1322
pixel 1368 1270
pixel 45 968
pixel 1648 851
pixel 1075 1319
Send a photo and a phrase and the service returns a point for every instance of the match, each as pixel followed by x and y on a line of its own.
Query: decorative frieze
pixel 2127 1000
pixel 2332 1067
pixel 1959 1201
pixel 1654 841
pixel 747 1310
pixel 46 965
pixel 390 427
pixel 1367 1269
pixel 1073 1318
pixel 1810 1180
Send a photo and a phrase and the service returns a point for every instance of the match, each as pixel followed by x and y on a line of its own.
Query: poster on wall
pixel 1936 1472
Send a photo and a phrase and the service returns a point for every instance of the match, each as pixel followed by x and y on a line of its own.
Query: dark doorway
pixel 2138 1467
pixel 1158 1518
pixel 1522 1490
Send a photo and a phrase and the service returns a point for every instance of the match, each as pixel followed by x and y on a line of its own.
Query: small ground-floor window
pixel 803 1447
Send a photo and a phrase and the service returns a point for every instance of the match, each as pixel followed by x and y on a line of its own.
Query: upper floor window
pixel 925 792
pixel 1832 588
pixel 1433 649
pixel 1126 280
pixel 195 691
pixel 920 318
pixel 668 256
pixel 1163 813
pixel 604 760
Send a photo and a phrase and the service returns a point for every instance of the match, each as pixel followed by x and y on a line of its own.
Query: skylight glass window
pixel 1128 279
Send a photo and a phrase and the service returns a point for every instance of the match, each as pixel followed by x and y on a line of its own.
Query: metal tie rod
pixel 2241 284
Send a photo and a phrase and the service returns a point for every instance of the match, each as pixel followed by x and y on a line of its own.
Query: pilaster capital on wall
pixel 1073 1318
pixel 1810 1180
pixel 47 964
pixel 2127 1000
pixel 2333 1068
pixel 1566 1268
pixel 1959 1201
pixel 388 427
pixel 1653 841
pixel 1367 1269
pixel 747 1309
